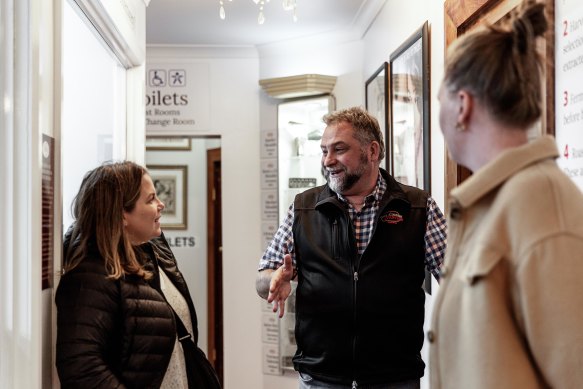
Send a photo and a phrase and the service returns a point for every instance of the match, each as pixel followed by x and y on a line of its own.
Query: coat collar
pixel 501 168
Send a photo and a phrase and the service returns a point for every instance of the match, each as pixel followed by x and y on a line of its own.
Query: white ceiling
pixel 197 22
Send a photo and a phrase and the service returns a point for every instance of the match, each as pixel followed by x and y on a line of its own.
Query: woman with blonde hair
pixel 125 318
pixel 508 312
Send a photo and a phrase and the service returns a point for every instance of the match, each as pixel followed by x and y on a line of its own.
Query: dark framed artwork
pixel 409 107
pixel 170 183
pixel 377 103
pixel 410 115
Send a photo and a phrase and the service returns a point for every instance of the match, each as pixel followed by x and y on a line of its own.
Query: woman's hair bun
pixel 528 23
pixel 530 18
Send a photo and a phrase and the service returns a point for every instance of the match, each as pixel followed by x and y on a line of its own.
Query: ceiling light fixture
pixel 288 5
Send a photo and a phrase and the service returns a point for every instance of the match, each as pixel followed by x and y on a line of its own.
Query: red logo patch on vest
pixel 392 217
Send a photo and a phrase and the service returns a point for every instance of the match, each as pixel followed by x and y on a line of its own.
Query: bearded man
pixel 359 247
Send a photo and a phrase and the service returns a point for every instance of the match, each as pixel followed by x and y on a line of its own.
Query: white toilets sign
pixel 177 98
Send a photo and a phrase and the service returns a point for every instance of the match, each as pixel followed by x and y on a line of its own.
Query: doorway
pixel 215 261
pixel 193 226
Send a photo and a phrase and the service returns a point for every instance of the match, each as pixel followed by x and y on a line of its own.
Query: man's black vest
pixel 360 317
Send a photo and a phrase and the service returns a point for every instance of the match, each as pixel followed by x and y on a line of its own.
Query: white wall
pixel 234 105
pixel 340 58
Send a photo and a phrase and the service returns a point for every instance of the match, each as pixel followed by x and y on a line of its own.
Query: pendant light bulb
pixel 221 10
pixel 288 5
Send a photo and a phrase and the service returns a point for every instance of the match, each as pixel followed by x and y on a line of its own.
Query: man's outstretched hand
pixel 280 285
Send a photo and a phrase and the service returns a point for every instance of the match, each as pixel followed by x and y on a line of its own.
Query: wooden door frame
pixel 460 16
pixel 213 202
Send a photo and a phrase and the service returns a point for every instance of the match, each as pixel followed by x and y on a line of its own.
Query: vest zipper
pixel 354 264
pixel 355 280
pixel 336 238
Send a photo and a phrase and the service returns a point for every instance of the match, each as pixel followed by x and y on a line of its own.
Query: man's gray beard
pixel 342 184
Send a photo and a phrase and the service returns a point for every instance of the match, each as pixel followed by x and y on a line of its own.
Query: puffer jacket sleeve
pixel 88 317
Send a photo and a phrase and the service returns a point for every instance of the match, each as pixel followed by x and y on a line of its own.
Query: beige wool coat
pixel 509 310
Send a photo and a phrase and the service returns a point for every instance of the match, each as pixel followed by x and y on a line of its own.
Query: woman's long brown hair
pixel 105 193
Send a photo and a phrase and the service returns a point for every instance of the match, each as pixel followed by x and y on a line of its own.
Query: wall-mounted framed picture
pixel 377 103
pixel 409 108
pixel 171 188
pixel 167 144
pixel 410 115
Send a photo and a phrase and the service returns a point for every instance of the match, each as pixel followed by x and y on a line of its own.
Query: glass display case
pixel 300 128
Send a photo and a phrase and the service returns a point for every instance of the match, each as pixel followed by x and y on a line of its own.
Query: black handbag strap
pixel 183 334
pixel 200 372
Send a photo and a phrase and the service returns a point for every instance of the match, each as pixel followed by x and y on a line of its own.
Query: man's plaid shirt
pixel 363 222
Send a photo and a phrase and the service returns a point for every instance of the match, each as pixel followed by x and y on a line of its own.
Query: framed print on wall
pixel 377 102
pixel 409 107
pixel 171 183
pixel 167 144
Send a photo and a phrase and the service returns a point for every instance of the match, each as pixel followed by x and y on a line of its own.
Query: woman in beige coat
pixel 509 312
